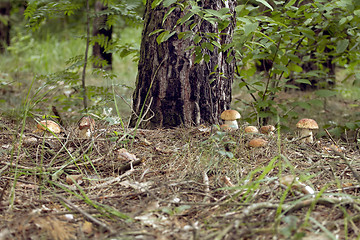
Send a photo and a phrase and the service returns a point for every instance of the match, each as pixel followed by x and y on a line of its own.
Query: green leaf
pixel 215 43
pixel 303 105
pixel 242 84
pixel 325 93
pixel 250 28
pixel 167 3
pixel 197 39
pixel 295 68
pixel 266 4
pixel 316 102
pixel 155 32
pixel 185 35
pixel 223 24
pixel 217 13
pixel 307 32
pixel 351 125
pixel 164 36
pixel 207 58
pixel 156 3
pixel 289 4
pixel 342 45
pixel 207 45
pixel 168 13
pixel 291 86
pixel 303 81
pixel 185 18
pixel 281 68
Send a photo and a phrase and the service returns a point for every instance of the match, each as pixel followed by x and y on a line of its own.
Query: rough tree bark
pixel 100 28
pixel 176 91
pixel 5 8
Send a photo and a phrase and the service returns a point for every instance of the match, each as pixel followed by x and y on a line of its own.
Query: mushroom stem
pixel 233 124
pixel 85 133
pixel 306 132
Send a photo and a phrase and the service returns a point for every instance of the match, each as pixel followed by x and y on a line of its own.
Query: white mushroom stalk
pixel 230 117
pixel 233 124
pixel 307 126
pixel 86 127
pixel 307 135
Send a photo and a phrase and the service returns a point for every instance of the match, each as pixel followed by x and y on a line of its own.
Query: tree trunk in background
pixel 5 8
pixel 175 89
pixel 100 28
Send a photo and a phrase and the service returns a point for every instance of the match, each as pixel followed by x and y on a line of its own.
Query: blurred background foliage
pixel 294 59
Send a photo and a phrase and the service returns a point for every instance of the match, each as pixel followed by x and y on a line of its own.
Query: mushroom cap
pixel 267 129
pixel 257 142
pixel 86 122
pixel 230 115
pixel 307 123
pixel 51 125
pixel 251 129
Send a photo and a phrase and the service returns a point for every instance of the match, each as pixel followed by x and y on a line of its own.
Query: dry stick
pixel 207 188
pixel 331 138
pixel 117 179
pixel 87 215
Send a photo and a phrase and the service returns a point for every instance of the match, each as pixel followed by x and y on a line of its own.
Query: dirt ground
pixel 198 183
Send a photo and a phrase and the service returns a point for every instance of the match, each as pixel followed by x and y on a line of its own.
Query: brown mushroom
pixel 306 126
pixel 294 183
pixel 267 130
pixel 230 117
pixel 257 142
pixel 48 125
pixel 86 126
pixel 251 129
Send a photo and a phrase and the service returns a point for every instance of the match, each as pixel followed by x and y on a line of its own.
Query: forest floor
pixel 183 183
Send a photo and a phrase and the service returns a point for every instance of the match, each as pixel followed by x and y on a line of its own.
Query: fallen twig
pixel 85 214
pixel 111 181
pixel 207 188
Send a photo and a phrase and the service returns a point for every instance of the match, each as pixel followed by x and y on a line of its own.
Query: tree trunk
pixel 176 90
pixel 100 28
pixel 5 8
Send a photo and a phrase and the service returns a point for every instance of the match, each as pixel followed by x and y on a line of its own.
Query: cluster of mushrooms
pixel 86 127
pixel 305 125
